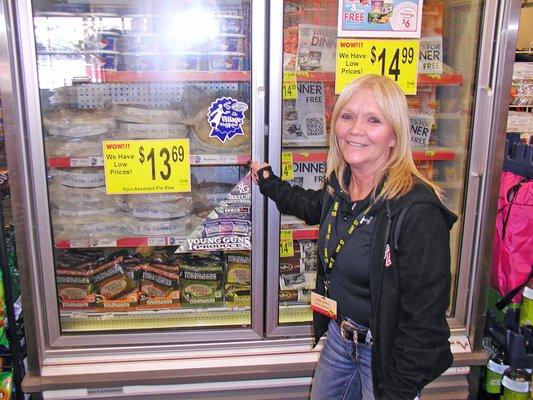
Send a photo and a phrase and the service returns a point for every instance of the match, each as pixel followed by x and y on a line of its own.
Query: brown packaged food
pixel 110 280
pixel 159 287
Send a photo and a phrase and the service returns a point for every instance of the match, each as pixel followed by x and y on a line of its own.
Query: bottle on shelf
pixel 526 309
pixel 516 384
pixel 493 378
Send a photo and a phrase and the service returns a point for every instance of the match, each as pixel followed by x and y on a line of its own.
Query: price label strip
pixel 147 166
pixel 395 59
pixel 287 173
pixel 286 246
pixel 289 88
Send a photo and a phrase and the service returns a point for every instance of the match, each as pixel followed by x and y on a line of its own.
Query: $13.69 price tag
pixel 286 246
pixel 395 59
pixel 147 166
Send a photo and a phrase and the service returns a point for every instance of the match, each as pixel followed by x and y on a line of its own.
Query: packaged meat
pixel 132 130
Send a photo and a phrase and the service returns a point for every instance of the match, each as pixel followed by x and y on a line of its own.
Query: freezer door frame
pixel 481 183
pixel 492 108
pixel 26 158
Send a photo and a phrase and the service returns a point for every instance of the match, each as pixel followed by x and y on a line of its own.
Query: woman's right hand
pixel 254 169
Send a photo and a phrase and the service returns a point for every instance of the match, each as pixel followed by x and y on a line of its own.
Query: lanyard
pixel 329 259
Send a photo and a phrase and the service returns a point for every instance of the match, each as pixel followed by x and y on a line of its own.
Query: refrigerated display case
pixel 444 134
pixel 151 265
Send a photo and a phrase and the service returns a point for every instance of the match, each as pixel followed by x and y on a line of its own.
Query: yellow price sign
pixel 287 173
pixel 147 166
pixel 395 59
pixel 286 246
pixel 289 90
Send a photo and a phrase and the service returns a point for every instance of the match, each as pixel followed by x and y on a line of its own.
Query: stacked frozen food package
pixel 146 71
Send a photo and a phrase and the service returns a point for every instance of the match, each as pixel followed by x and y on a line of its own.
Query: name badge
pixel 324 305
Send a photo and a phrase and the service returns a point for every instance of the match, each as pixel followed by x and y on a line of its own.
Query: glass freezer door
pixel 301 109
pixel 146 117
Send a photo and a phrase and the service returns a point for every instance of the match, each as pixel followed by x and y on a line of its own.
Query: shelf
pixel 133 241
pixel 436 154
pixel 91 321
pixel 430 153
pixel 446 185
pixel 313 76
pixel 195 159
pixel 305 234
pixel 423 79
pixel 107 76
pixel 445 79
pixel 295 314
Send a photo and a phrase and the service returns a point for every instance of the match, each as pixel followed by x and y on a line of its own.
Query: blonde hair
pixel 400 169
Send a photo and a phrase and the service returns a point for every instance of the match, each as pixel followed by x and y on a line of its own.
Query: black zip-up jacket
pixel 409 298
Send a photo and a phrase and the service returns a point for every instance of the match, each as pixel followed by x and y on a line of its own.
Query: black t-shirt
pixel 350 276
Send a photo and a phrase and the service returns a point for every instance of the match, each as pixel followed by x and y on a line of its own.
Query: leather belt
pixel 352 333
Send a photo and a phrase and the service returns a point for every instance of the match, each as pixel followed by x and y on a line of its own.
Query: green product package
pixel 6 385
pixel 526 310
pixel 509 394
pixel 495 369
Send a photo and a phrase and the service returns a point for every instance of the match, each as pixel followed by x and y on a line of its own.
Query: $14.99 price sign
pixel 147 166
pixel 395 59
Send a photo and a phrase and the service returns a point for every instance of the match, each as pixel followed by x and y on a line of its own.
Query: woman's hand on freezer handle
pixel 256 168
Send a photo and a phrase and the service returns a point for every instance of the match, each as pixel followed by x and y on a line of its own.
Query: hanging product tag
pixel 324 305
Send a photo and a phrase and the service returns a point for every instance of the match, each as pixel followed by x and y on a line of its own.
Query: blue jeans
pixel 343 371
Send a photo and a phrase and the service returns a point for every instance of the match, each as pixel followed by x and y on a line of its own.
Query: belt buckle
pixel 351 333
pixel 348 331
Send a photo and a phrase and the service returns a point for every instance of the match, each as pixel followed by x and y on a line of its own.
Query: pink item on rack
pixel 512 253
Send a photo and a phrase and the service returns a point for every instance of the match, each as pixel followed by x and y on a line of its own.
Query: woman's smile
pixel 364 135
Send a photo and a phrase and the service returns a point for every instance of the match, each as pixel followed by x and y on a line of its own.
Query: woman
pixel 383 250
